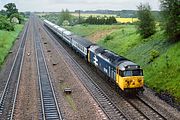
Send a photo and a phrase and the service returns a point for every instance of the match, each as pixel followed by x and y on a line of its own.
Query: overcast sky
pixel 58 5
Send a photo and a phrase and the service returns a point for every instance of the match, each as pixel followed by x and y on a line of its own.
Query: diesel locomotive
pixel 127 75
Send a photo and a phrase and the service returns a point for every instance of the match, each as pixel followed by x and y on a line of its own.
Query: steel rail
pixel 49 104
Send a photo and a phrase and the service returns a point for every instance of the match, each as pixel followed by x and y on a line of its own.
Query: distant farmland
pixel 119 20
pixel 126 20
pixel 86 15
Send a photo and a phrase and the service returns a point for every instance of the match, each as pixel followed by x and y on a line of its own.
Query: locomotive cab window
pixel 131 73
pixel 128 73
pixel 121 73
pixel 137 73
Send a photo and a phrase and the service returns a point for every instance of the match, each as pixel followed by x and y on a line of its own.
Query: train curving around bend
pixel 127 75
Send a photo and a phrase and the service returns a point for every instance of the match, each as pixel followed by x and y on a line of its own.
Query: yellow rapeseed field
pixel 126 20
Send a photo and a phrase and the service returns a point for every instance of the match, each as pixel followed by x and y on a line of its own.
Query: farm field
pixel 126 20
pixel 158 58
pixel 119 19
pixel 7 39
pixel 85 16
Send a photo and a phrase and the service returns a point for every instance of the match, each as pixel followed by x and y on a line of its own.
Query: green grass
pixel 69 97
pixel 122 39
pixel 161 71
pixel 87 30
pixel 6 41
pixel 163 74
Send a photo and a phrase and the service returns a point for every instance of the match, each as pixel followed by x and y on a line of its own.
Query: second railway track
pixel 49 105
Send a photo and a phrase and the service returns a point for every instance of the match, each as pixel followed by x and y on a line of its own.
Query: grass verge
pixel 7 39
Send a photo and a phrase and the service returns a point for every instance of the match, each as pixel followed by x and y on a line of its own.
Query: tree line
pixel 101 20
pixel 9 17
pixel 65 18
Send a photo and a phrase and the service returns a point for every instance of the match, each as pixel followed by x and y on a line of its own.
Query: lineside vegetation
pixel 10 26
pixel 7 39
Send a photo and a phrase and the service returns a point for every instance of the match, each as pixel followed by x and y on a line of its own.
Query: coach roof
pixel 83 41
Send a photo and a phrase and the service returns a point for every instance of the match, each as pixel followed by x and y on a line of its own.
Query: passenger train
pixel 127 75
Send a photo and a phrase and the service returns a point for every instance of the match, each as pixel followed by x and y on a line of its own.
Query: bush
pixel 5 24
pixel 65 23
pixel 9 26
pixel 2 21
pixel 85 24
pixel 107 38
pixel 153 54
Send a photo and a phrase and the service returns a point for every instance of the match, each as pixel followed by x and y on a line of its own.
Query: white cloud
pixel 57 5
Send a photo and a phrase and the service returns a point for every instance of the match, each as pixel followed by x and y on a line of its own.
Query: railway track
pixel 146 108
pixel 109 108
pixel 142 109
pixel 49 105
pixel 8 97
pixel 156 107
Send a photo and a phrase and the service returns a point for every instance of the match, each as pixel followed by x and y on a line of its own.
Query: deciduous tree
pixel 10 9
pixel 64 15
pixel 146 24
pixel 171 14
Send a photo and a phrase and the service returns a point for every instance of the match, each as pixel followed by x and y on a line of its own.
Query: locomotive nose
pixel 133 82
